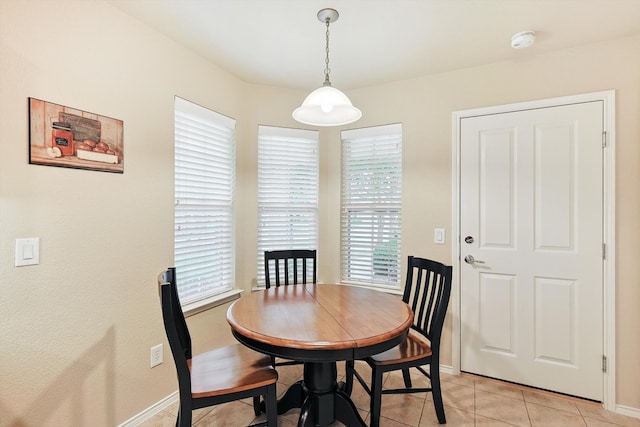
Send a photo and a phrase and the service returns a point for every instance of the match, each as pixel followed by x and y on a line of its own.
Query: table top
pixel 341 322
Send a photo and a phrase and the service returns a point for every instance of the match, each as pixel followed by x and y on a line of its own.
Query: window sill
pixel 211 302
pixel 393 291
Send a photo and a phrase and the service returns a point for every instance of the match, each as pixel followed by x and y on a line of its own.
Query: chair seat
pixel 414 347
pixel 228 370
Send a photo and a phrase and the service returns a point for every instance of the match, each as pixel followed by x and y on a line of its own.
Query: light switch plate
pixel 27 251
pixel 438 236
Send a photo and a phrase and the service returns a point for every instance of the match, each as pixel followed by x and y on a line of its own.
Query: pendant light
pixel 327 106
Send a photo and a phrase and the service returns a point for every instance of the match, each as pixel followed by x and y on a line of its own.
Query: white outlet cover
pixel 156 355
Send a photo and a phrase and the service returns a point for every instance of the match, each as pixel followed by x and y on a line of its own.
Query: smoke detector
pixel 523 39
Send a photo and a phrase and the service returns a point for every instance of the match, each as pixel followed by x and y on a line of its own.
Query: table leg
pixel 293 398
pixel 346 411
pixel 325 402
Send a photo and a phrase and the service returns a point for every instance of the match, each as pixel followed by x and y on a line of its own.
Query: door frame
pixel 608 226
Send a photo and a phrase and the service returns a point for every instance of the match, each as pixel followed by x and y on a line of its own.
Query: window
pixel 204 184
pixel 371 206
pixel 287 191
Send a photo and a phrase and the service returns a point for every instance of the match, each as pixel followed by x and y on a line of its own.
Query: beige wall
pixel 75 331
pixel 424 105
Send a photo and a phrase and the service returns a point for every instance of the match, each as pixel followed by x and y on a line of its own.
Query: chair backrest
pixel 175 327
pixel 289 267
pixel 427 292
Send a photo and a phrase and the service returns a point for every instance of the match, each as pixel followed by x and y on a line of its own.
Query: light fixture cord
pixel 327 70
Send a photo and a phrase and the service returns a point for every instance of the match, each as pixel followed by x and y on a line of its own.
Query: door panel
pixel 496 194
pixel 554 314
pixel 531 198
pixel 497 311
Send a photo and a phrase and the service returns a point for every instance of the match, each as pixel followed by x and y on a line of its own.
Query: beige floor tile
pixel 173 408
pixel 387 422
pixel 501 388
pixel 543 416
pixel 592 422
pixel 281 389
pixel 341 368
pixel 288 420
pixel 289 374
pixel 231 414
pixel 548 400
pixel 161 419
pixel 360 397
pixel 403 408
pixel 395 380
pixel 455 417
pixel 488 422
pixel 598 413
pixel 290 417
pixel 456 395
pixel 417 375
pixel 198 414
pixel 462 379
pixel 499 407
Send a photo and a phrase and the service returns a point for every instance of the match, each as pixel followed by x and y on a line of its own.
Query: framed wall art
pixel 68 137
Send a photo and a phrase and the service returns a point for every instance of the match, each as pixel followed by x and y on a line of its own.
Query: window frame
pixel 371 207
pixel 278 208
pixel 204 180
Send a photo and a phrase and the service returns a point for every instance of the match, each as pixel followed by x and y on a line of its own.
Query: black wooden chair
pixel 218 376
pixel 289 267
pixel 427 292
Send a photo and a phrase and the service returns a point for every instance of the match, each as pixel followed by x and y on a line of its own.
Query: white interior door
pixel 531 216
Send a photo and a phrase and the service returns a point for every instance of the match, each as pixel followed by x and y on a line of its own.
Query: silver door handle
pixel 469 259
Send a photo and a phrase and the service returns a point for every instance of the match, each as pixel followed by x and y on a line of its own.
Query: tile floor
pixel 469 401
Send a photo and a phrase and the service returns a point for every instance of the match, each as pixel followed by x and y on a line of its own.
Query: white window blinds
pixel 204 184
pixel 371 206
pixel 287 191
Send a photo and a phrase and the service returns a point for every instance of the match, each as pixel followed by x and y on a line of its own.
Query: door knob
pixel 469 259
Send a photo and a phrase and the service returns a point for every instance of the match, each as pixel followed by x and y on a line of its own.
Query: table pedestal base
pixel 320 399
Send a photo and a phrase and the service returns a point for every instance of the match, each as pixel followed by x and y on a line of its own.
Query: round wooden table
pixel 319 325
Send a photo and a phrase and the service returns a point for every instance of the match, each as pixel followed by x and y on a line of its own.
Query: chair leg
pixel 348 383
pixel 376 397
pixel 406 375
pixel 271 405
pixel 184 416
pixel 256 405
pixel 436 392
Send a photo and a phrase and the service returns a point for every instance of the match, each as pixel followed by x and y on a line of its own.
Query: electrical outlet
pixel 156 355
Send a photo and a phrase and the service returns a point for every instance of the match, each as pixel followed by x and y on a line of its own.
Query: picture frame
pixel 68 137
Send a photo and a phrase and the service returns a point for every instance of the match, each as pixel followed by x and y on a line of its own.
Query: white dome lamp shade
pixel 327 106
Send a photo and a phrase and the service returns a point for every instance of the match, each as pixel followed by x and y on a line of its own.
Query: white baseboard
pixel 152 410
pixel 628 411
pixel 446 369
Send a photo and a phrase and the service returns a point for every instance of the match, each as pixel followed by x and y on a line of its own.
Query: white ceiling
pixel 282 43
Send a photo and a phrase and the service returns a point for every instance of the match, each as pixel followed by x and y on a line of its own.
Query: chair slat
pixel 290 261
